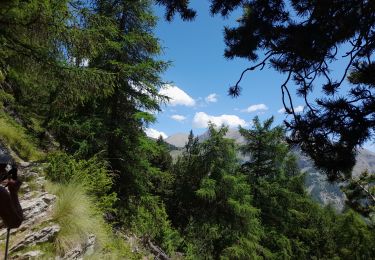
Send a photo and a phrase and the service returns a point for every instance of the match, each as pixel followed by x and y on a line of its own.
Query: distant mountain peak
pixel 178 140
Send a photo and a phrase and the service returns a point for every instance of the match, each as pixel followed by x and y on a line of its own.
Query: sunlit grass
pixel 15 136
pixel 75 213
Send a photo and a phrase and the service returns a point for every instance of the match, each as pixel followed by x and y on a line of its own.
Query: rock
pixel 75 253
pixel 48 198
pixel 30 175
pixel 40 181
pixel 28 195
pixel 29 255
pixel 86 249
pixel 44 235
pixel 133 242
pixel 157 251
pixel 33 207
pixel 33 210
pixel 90 245
pixel 25 187
pixel 24 164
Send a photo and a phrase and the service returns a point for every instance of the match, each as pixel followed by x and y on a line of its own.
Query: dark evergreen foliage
pixel 296 227
pixel 360 193
pixel 213 206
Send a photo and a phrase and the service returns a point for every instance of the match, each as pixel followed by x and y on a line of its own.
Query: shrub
pixel 150 221
pixel 91 174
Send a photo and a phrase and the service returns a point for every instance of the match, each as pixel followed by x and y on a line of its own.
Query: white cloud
pixel 150 132
pixel 178 118
pixel 257 107
pixel 297 109
pixel 281 111
pixel 211 98
pixel 177 96
pixel 201 120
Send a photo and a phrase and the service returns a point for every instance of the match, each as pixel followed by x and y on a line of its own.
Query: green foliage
pixel 360 192
pixel 284 208
pixel 297 227
pixel 212 204
pixel 356 239
pixel 143 210
pixel 92 175
pixel 266 147
pixel 150 221
pixel 16 137
pixel 87 71
pixel 5 98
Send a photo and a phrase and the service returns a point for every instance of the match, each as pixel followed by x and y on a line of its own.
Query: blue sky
pixel 200 70
pixel 200 76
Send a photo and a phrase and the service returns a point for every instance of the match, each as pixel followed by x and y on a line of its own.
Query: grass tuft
pixel 78 218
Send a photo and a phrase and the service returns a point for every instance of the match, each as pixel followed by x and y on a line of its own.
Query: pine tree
pixel 266 148
pixel 107 112
pixel 214 201
pixel 360 193
pixel 278 190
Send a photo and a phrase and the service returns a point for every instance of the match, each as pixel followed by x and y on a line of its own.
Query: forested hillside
pixel 317 185
pixel 79 83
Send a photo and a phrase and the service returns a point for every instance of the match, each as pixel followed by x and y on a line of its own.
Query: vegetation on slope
pixel 87 72
pixel 79 218
pixel 15 136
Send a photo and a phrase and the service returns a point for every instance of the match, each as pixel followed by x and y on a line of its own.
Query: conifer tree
pixel 355 238
pixel 129 54
pixel 278 190
pixel 214 198
pixel 266 148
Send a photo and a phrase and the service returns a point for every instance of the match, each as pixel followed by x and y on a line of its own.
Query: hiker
pixel 10 208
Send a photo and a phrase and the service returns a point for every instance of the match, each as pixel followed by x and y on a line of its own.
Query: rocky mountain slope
pixel 316 182
pixel 178 139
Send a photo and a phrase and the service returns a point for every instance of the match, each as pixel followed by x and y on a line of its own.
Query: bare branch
pixel 284 89
pixel 260 64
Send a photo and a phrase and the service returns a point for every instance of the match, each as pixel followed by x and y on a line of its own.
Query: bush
pixel 91 174
pixel 150 221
